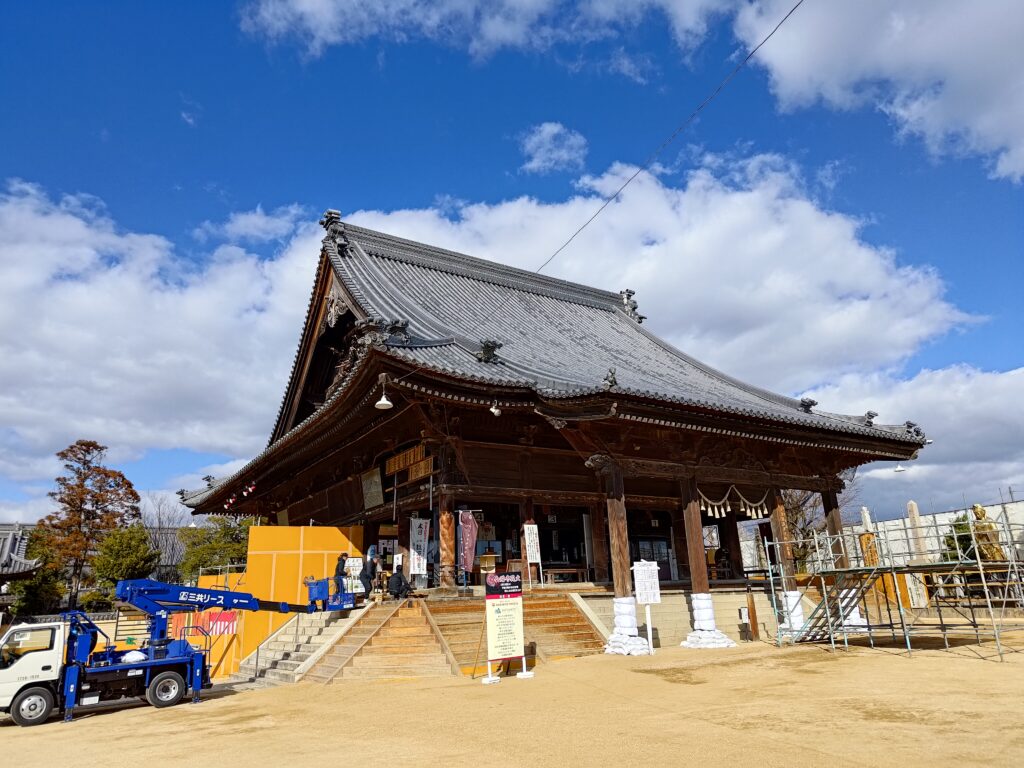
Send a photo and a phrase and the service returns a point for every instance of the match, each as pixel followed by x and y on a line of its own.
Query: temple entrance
pixel 650 538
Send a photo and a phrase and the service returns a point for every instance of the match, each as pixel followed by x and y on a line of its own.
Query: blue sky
pixel 150 135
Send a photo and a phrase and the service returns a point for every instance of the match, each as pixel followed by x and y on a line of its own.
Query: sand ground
pixel 755 705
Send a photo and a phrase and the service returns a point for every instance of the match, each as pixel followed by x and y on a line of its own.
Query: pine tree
pixel 93 500
pixel 125 553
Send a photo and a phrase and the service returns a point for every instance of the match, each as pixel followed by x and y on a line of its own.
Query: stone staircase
pixel 393 642
pixel 280 658
pixel 559 628
pixel 553 622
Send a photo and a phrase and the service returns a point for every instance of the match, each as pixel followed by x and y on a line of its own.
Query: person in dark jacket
pixel 399 586
pixel 368 573
pixel 339 573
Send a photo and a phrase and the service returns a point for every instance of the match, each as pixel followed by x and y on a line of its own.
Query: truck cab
pixel 31 659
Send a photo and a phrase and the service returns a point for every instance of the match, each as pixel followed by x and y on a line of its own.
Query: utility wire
pixel 654 155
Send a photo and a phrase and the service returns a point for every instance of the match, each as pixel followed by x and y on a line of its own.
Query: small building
pixel 14 561
pixel 428 384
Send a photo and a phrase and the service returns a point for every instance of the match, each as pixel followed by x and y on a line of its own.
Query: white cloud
pixel 256 226
pixel 737 265
pixel 975 418
pixel 189 118
pixel 549 147
pixel 108 335
pixel 947 71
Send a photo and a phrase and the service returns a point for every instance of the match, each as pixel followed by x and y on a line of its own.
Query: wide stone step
pixel 389 631
pixel 277 645
pixel 392 673
pixel 402 641
pixel 398 660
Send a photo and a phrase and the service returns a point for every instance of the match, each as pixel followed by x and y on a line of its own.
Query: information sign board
pixel 645 579
pixel 419 536
pixel 504 607
pixel 532 543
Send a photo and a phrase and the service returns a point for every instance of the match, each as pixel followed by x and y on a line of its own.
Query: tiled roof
pixel 558 338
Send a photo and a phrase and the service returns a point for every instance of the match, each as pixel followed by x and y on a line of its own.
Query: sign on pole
pixel 533 549
pixel 648 591
pixel 504 610
pixel 419 535
pixel 645 577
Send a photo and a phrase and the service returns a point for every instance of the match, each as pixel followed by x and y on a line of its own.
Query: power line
pixel 693 115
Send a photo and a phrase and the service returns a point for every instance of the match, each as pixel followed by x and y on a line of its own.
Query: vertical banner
pixel 532 543
pixel 504 606
pixel 467 550
pixel 419 535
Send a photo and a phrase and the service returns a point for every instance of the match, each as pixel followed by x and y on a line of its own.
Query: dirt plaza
pixel 752 705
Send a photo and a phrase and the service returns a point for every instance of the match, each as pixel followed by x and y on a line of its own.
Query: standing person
pixel 367 575
pixel 340 574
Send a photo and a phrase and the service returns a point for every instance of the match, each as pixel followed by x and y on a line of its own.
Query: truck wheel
pixel 32 706
pixel 165 690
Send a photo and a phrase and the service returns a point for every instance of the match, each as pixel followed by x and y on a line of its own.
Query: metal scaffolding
pixel 948 580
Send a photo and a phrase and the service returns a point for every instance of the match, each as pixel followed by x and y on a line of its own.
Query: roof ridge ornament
pixel 806 403
pixel 629 306
pixel 609 379
pixel 331 221
pixel 869 418
pixel 489 351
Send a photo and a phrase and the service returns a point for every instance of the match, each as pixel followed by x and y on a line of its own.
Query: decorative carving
pixel 331 221
pixel 913 429
pixel 869 418
pixel 208 479
pixel 601 463
pixel 336 307
pixel 629 305
pixel 807 403
pixel 610 380
pixel 379 332
pixel 488 351
pixel 558 424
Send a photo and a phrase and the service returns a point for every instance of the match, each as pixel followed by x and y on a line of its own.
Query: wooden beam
pixel 781 534
pixel 694 537
pixel 834 526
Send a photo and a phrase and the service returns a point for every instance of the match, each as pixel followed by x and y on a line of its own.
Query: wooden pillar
pixel 694 537
pixel 729 532
pixel 781 535
pixel 834 526
pixel 526 515
pixel 446 543
pixel 618 533
pixel 599 528
pixel 679 538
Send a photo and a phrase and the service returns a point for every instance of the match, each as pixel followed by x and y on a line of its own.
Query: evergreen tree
pixel 43 592
pixel 92 501
pixel 220 541
pixel 125 553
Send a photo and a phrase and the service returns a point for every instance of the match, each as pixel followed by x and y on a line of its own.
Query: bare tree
pixel 162 518
pixel 805 514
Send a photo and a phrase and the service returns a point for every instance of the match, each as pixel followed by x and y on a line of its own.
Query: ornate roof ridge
pixel 442 259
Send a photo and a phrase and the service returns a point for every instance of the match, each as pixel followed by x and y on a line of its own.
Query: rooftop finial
pixel 331 218
pixel 807 403
pixel 629 305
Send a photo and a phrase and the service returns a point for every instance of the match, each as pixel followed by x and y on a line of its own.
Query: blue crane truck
pixel 60 666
